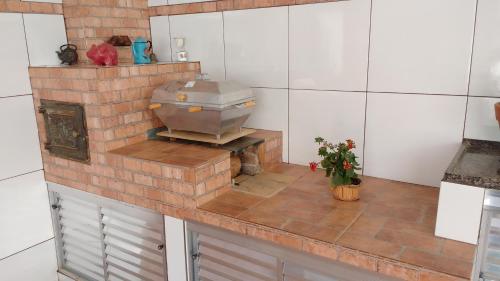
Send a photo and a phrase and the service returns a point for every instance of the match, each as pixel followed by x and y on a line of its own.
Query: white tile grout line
pixel 20 175
pixel 366 88
pixel 26 249
pixel 470 68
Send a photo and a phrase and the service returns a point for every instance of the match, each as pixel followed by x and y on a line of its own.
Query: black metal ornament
pixel 68 54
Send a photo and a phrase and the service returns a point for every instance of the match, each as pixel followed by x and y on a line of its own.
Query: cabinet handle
pixel 160 247
pixel 195 109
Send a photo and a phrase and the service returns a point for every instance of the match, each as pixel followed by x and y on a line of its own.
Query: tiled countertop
pixel 477 163
pixel 392 220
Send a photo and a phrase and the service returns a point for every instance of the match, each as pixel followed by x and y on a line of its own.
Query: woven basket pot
pixel 346 192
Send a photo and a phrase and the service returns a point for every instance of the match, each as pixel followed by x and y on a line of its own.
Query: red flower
pixel 313 166
pixel 350 144
pixel 347 165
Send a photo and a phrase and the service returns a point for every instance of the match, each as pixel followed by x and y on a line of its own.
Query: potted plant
pixel 339 162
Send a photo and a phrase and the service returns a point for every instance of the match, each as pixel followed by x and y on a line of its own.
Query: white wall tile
pixel 485 75
pixel 44 35
pixel 25 219
pixel 329 45
pixel 412 138
pixel 19 145
pixel 14 56
pixel 421 46
pixel 38 263
pixel 481 122
pixel 257 46
pixel 173 2
pixel 152 3
pixel 271 113
pixel 176 249
pixel 203 34
pixel 160 34
pixel 46 1
pixel 459 212
pixel 335 116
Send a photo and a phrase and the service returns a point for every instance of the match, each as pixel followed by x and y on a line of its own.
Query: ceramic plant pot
pixel 346 192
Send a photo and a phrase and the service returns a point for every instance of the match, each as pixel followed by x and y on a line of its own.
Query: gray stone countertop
pixel 477 163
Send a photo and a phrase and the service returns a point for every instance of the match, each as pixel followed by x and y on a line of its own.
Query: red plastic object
pixel 103 54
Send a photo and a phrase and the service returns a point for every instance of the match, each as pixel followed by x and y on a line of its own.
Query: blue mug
pixel 141 50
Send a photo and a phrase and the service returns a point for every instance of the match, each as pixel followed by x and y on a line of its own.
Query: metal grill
pixel 99 239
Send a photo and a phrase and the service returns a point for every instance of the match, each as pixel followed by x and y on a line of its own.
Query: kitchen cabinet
pixel 219 255
pixel 102 239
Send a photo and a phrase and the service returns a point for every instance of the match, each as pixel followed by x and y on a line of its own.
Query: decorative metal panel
pixel 66 130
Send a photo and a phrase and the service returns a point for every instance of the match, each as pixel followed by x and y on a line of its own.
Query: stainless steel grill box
pixel 203 106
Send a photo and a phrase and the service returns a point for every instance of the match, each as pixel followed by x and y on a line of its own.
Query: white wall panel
pixel 335 116
pixel 25 219
pixel 19 145
pixel 46 1
pixel 36 264
pixel 176 249
pixel 485 74
pixel 412 138
pixel 44 35
pixel 257 46
pixel 481 122
pixel 421 46
pixel 13 57
pixel 203 34
pixel 329 45
pixel 174 2
pixel 152 3
pixel 459 212
pixel 160 34
pixel 271 113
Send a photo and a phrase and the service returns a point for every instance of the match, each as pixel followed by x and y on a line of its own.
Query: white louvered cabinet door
pixel 79 239
pixel 99 239
pixel 134 245
pixel 220 260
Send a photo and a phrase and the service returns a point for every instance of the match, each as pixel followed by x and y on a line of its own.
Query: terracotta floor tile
pixel 223 208
pixel 326 234
pixel 239 199
pixel 370 225
pixel 458 250
pixel 414 239
pixel 437 262
pixel 340 217
pixel 263 218
pixel 392 219
pixel 359 241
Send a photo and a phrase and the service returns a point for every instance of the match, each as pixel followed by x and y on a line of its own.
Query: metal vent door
pixel 79 236
pixel 489 241
pixel 220 260
pixel 134 244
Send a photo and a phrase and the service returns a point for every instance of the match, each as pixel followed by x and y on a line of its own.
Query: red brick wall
pixel 18 6
pixel 116 103
pixel 95 21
